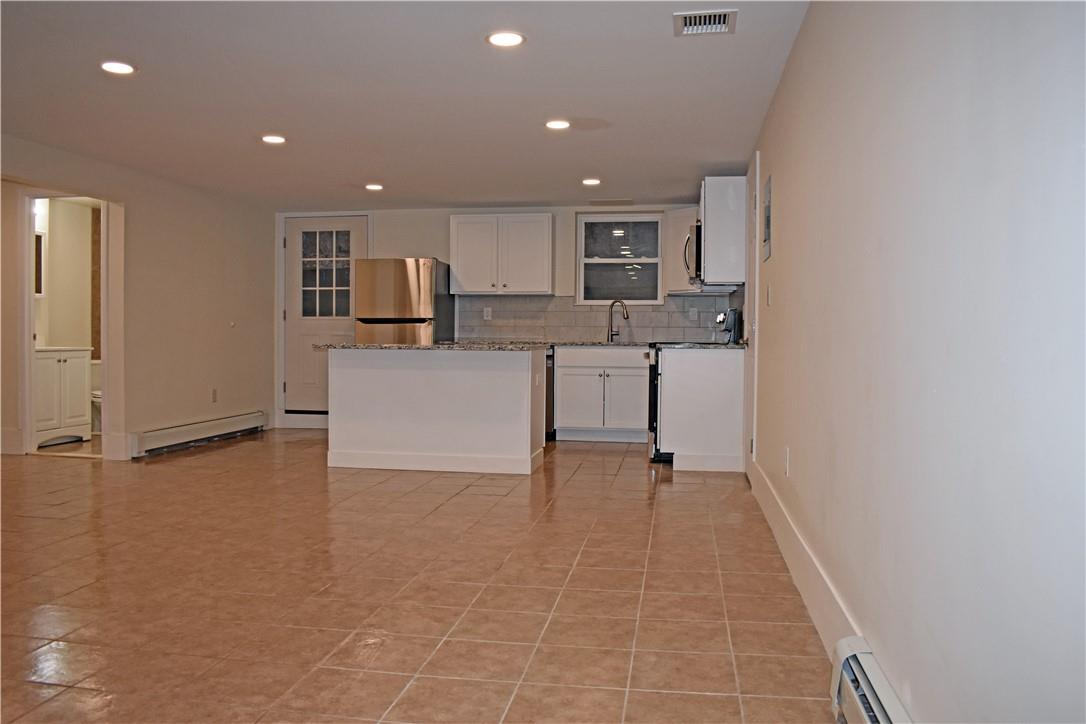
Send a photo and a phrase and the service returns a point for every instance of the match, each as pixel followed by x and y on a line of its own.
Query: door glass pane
pixel 343 273
pixel 325 303
pixel 324 244
pixel 616 239
pixel 309 273
pixel 324 275
pixel 343 302
pixel 619 281
pixel 309 302
pixel 343 244
pixel 309 244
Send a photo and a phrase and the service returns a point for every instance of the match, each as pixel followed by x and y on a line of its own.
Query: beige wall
pixel 14 285
pixel 200 280
pixel 923 354
pixel 67 292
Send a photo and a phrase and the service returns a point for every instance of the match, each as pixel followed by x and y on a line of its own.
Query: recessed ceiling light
pixel 374 187
pixel 118 68
pixel 505 39
pixel 558 124
pixel 591 182
pixel 273 139
pixel 619 232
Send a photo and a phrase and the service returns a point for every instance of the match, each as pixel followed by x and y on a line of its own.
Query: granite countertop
pixel 476 345
pixel 503 345
pixel 697 345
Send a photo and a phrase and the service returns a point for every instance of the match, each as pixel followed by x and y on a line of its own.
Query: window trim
pixel 658 260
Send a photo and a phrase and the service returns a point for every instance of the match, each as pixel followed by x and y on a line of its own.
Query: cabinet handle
pixel 505 285
pixel 493 284
pixel 606 374
pixel 600 374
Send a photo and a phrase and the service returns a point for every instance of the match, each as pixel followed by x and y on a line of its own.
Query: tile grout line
pixel 640 602
pixel 727 621
pixel 392 598
pixel 546 624
pixel 415 676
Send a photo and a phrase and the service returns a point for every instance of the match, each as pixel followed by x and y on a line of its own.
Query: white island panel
pixel 426 409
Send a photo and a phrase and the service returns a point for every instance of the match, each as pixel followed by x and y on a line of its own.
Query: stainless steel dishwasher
pixel 550 394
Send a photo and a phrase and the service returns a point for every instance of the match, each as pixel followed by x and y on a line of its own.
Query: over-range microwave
pixel 714 253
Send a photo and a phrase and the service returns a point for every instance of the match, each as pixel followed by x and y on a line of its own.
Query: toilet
pixel 96 411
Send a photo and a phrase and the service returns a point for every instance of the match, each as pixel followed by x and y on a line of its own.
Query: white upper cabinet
pixel 474 254
pixel 723 229
pixel 501 253
pixel 524 253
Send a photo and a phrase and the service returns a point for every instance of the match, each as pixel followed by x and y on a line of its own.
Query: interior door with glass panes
pixel 317 281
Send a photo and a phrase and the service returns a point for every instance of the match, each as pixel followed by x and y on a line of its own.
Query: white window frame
pixel 658 260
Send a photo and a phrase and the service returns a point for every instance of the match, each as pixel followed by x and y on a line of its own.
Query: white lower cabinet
pixel 578 395
pixel 62 393
pixel 601 394
pixel 700 412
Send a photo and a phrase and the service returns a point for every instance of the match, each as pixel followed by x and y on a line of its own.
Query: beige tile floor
pixel 245 581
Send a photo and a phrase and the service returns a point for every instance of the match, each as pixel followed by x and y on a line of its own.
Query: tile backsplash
pixel 558 319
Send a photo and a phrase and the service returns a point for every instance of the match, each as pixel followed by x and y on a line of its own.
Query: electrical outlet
pixel 488 314
pixel 692 313
pixel 214 394
pixel 787 463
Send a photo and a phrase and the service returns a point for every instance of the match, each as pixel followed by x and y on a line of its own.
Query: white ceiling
pixel 406 94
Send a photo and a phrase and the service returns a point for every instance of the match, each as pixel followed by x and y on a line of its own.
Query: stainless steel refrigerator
pixel 402 301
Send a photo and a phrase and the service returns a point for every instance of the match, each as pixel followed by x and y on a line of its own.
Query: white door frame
pixel 750 304
pixel 117 443
pixel 282 419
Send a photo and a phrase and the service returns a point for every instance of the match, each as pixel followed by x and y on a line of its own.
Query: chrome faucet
pixel 612 332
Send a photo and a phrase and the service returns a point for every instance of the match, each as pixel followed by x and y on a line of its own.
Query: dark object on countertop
pixel 733 325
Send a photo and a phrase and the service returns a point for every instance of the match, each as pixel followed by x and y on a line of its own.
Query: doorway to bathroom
pixel 66 372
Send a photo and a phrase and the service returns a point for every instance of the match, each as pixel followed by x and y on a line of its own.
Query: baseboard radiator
pixel 170 438
pixel 860 691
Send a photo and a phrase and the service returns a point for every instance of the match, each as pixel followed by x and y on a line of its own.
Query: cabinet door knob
pixel 493 284
pixel 505 285
pixel 600 374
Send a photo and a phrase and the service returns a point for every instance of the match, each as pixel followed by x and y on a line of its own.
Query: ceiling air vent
pixel 704 22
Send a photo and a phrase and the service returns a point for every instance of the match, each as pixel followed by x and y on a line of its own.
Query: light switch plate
pixel 488 314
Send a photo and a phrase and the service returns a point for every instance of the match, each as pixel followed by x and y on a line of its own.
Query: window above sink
pixel 618 257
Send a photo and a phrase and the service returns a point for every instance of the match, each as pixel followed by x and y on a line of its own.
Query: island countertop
pixel 463 346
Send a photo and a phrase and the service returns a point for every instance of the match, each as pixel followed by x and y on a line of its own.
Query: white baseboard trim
pixel 598 435
pixel 307 422
pixel 118 445
pixel 828 611
pixel 717 463
pixel 11 441
pixel 515 465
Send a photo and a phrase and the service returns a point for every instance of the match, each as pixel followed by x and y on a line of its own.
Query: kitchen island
pixel 462 407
